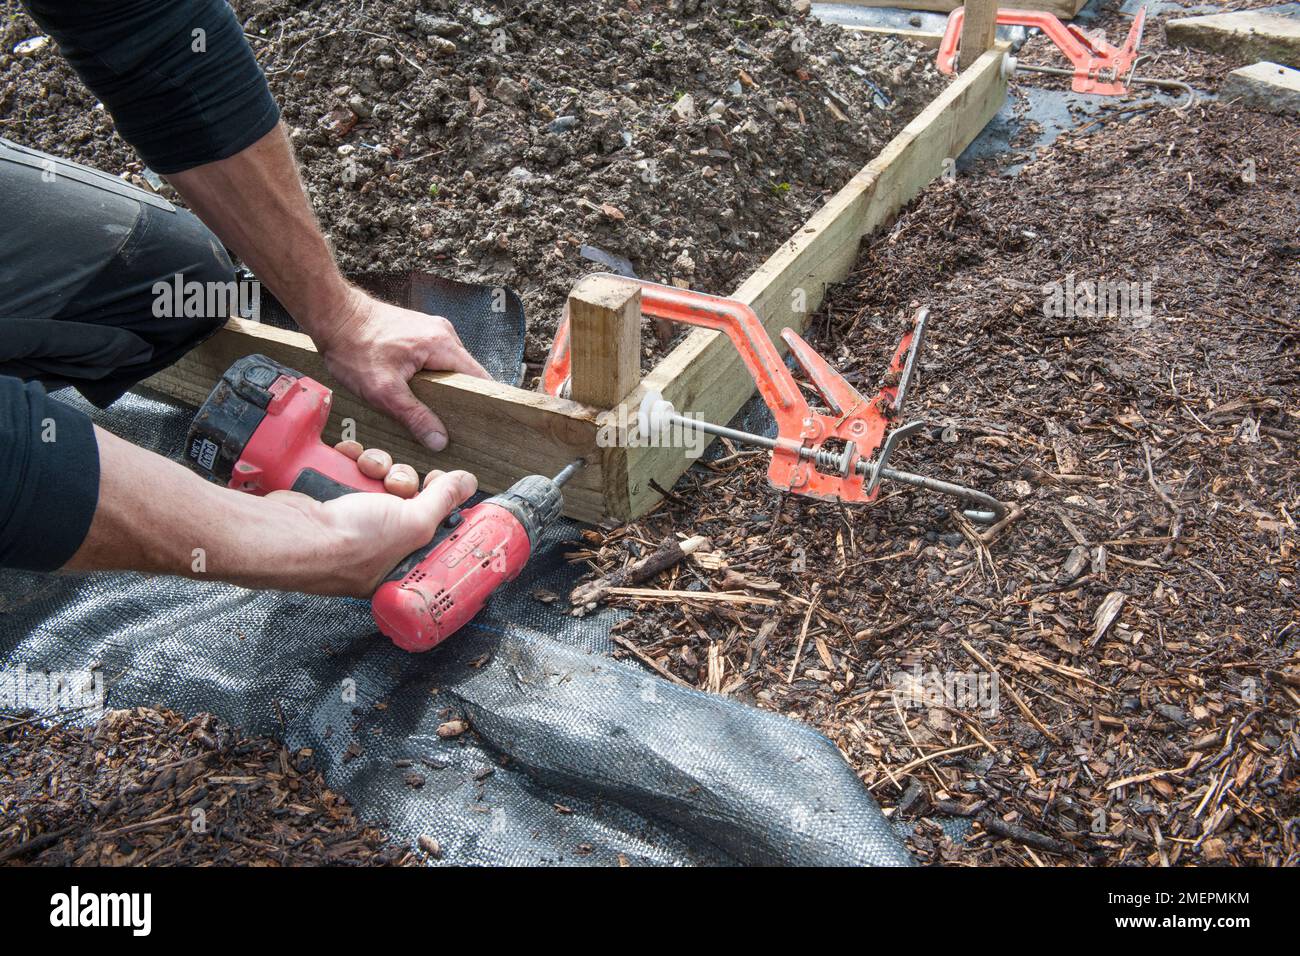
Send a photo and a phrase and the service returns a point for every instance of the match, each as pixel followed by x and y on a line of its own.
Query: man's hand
pixel 375 349
pixel 400 480
pixel 364 536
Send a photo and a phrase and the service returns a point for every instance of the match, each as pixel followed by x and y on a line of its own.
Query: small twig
pixel 655 594
pixel 776 515
pixel 669 553
pixel 57 716
pixel 998 826
pixel 803 631
pixel 991 533
pixel 919 761
pixel 145 824
pixel 902 720
pixel 34 844
pixel 1002 682
pixel 1176 521
pixel 649 661
pixel 674 498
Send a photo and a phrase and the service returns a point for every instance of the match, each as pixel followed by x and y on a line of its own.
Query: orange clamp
pixel 802 462
pixel 1098 67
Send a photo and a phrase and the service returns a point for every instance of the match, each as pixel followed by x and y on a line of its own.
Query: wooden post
pixel 605 368
pixel 978 30
pixel 604 340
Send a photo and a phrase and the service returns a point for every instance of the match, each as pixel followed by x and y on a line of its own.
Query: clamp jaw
pixel 857 425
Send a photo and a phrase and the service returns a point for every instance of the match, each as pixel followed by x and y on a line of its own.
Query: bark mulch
pixel 1139 612
pixel 149 787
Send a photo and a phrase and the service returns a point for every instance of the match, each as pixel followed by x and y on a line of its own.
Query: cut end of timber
pixel 606 291
pixel 604 339
pixel 1264 86
pixel 1244 37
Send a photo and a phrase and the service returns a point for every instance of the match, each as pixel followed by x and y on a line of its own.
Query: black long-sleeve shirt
pixel 183 88
pixel 177 75
pixel 49 478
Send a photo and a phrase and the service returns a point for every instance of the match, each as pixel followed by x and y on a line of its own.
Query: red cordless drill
pixel 260 431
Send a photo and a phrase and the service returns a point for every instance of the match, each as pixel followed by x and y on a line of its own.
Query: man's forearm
pixel 157 517
pixel 254 201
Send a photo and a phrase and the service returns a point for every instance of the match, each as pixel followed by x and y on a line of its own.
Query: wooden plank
pixel 978 30
pixel 1243 37
pixel 1065 9
pixel 928 39
pixel 497 432
pixel 604 340
pixel 704 374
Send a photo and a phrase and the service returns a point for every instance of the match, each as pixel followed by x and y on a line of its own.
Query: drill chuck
pixel 535 501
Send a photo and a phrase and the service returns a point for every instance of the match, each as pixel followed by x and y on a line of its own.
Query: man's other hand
pixel 399 479
pixel 361 538
pixel 377 348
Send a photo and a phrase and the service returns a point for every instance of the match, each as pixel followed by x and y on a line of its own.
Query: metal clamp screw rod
pixel 655 413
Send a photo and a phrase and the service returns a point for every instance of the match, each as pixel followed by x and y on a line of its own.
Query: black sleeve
pixel 49 478
pixel 177 75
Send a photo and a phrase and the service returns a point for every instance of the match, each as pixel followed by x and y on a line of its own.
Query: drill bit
pixel 569 470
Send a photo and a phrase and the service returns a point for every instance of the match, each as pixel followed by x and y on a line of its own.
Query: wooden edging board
pixel 498 432
pixel 501 433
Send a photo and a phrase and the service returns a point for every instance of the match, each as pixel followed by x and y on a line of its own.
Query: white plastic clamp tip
pixel 654 415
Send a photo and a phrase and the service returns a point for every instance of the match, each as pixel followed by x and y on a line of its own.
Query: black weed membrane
pixel 571 757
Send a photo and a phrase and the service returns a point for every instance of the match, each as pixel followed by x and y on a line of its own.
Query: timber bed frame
pixel 501 433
